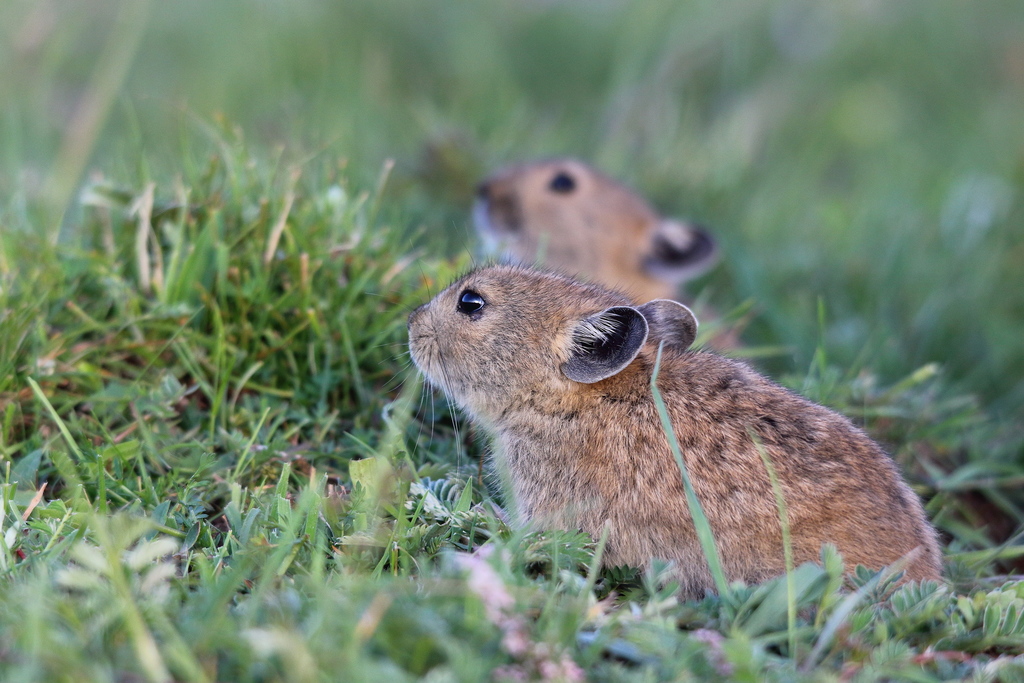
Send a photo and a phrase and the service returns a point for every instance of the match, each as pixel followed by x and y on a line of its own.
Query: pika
pixel 559 373
pixel 568 216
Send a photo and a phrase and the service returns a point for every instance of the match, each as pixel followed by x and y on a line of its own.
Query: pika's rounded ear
pixel 680 251
pixel 671 322
pixel 605 343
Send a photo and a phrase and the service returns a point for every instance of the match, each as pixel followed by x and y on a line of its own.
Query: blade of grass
pixel 700 520
pixel 87 122
pixel 243 460
pixel 787 545
pixel 65 465
pixel 595 565
pixel 282 220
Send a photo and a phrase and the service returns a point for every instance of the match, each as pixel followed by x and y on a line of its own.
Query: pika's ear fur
pixel 670 322
pixel 680 251
pixel 605 343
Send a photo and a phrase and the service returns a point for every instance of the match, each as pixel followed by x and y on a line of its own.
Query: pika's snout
pixel 420 337
pixel 415 316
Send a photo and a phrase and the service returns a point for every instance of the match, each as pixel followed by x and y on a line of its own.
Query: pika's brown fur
pixel 559 372
pixel 566 215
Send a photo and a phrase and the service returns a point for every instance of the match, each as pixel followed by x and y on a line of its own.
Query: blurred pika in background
pixel 564 214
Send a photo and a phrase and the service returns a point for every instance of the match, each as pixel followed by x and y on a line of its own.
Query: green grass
pixel 215 461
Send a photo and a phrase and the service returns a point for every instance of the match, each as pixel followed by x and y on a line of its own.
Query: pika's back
pixel 565 214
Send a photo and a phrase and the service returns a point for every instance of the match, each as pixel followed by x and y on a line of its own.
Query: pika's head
pixel 508 335
pixel 566 215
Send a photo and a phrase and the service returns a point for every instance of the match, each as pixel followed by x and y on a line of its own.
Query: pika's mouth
pixel 490 235
pixel 422 350
pixel 429 358
pixel 497 218
pixel 426 354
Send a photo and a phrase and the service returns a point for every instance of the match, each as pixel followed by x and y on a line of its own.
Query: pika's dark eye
pixel 470 302
pixel 562 183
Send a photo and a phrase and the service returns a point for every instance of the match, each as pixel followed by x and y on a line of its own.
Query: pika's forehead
pixel 543 168
pixel 511 284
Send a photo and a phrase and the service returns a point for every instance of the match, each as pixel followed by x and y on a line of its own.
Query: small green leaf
pixel 24 471
pixel 991 620
pixel 465 498
pixel 190 537
pixel 159 515
pixel 368 472
pixel 772 613
pixel 246 528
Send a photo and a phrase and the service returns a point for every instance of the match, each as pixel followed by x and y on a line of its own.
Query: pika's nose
pixel 483 190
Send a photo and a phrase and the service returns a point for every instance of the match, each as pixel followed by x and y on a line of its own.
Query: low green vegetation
pixel 216 463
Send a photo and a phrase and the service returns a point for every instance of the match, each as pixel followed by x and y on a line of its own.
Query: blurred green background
pixel 866 156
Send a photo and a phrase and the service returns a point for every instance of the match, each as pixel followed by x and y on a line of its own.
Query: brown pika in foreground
pixel 565 215
pixel 559 372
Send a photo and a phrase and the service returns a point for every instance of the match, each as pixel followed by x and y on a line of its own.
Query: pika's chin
pixel 493 239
